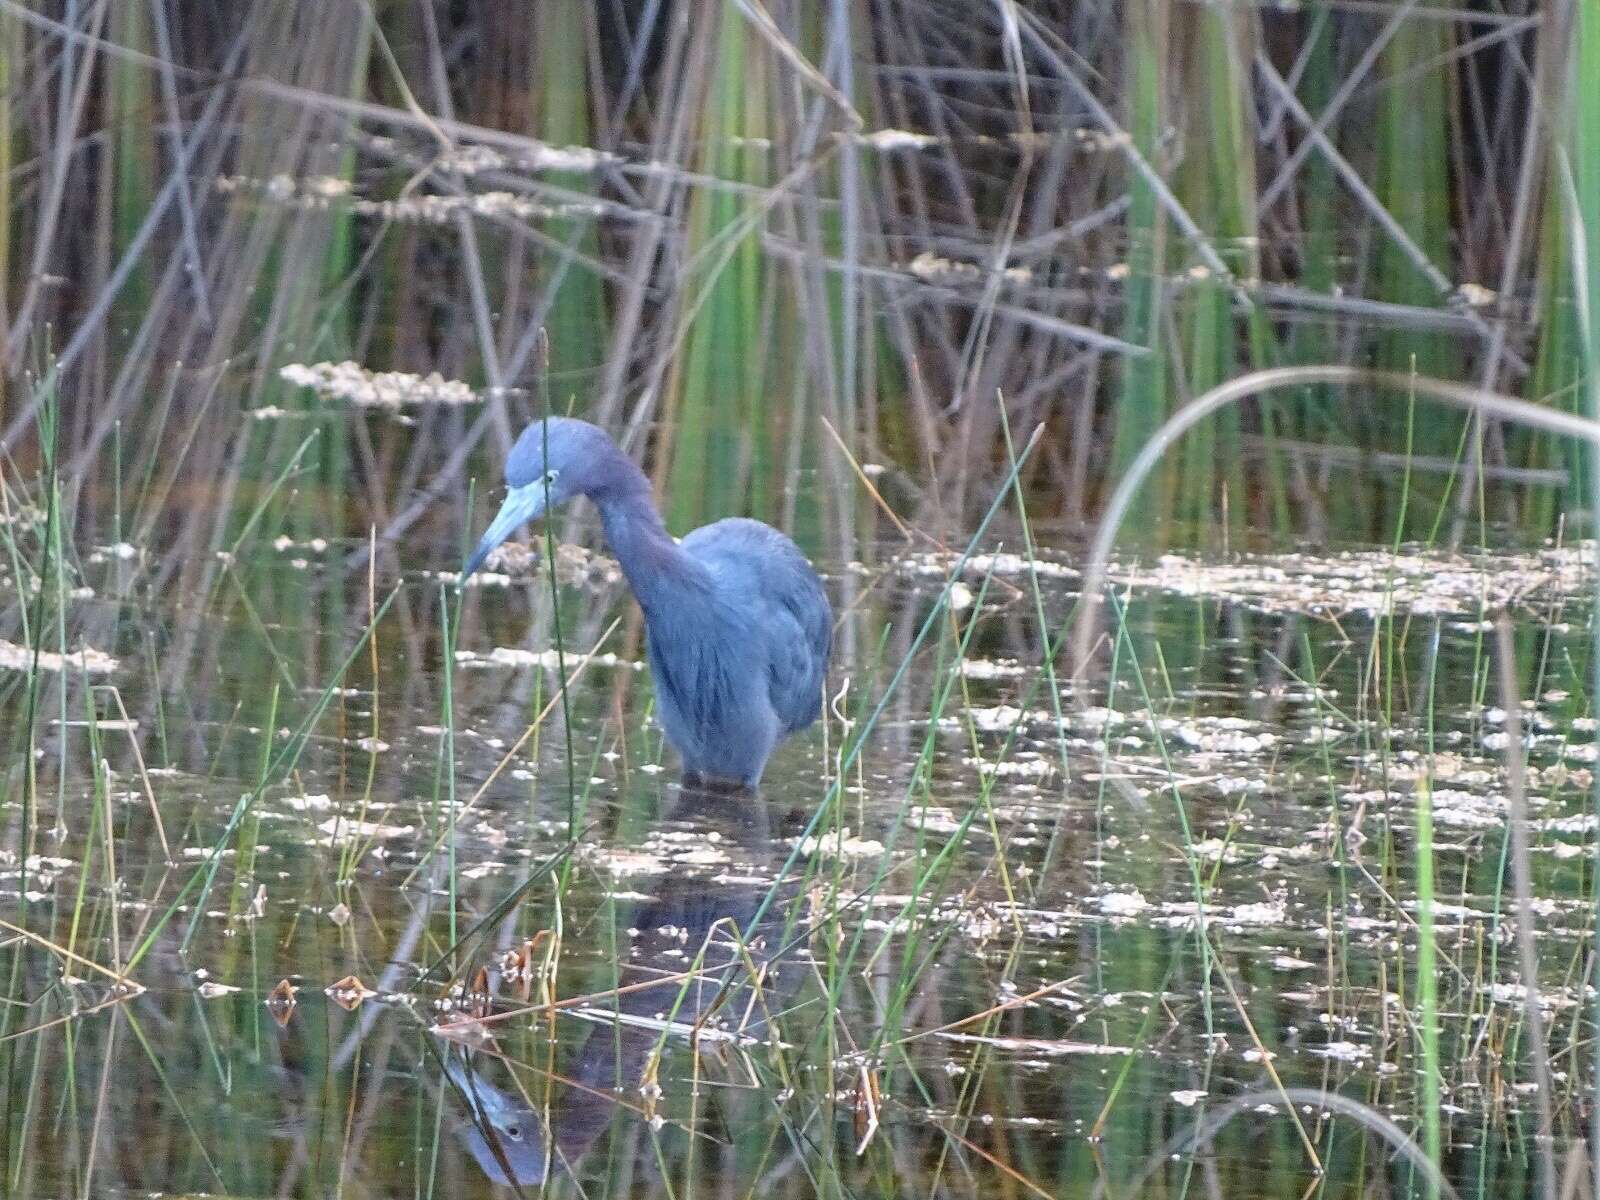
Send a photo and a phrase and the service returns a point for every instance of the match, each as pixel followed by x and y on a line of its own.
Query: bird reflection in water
pixel 509 1136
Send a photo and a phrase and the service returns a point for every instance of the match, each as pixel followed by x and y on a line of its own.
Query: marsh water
pixel 329 887
pixel 321 876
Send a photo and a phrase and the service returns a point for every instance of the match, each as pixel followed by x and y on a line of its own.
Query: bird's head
pixel 554 460
pixel 505 1136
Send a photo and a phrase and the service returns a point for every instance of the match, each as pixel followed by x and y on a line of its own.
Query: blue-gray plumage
pixel 737 626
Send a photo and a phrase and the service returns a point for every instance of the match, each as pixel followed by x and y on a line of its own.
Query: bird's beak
pixel 521 505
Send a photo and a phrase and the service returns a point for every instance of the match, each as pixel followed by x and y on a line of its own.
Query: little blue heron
pixel 737 625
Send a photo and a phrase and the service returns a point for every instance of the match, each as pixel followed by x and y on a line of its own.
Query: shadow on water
pixel 737 970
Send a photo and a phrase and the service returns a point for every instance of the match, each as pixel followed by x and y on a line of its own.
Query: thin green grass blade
pixel 1585 165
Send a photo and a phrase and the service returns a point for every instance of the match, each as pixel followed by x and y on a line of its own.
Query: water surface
pixel 414 920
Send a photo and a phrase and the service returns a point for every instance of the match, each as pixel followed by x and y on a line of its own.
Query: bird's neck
pixel 658 570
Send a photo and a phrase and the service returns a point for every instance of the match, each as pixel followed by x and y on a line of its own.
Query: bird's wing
pixel 794 670
pixel 780 600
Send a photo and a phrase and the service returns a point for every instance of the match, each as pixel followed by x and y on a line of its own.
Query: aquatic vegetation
pixel 26 659
pixel 354 384
pixel 323 874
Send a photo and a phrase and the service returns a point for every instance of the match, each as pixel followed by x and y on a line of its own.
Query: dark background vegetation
pixel 1101 211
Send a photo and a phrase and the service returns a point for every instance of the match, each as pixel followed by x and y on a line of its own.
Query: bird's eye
pixel 514 1132
pixel 551 475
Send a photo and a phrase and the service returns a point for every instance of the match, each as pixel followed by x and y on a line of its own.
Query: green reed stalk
pixel 1413 136
pixel 865 727
pixel 1557 366
pixel 282 763
pixel 720 401
pixel 1427 983
pixel 49 568
pixel 577 322
pixel 133 147
pixel 1142 404
pixel 1585 165
pixel 1427 979
pixel 1218 186
pixel 447 746
pixel 1309 341
pixel 933 870
pixel 7 33
pixel 175 1097
pixel 558 636
pixel 1043 624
